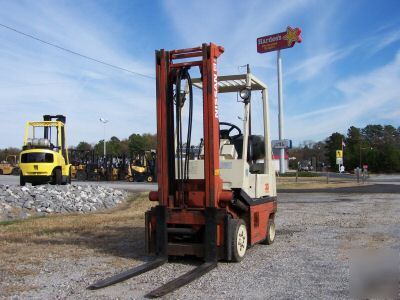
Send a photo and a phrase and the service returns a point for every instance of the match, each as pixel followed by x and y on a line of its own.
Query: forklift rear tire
pixel 69 179
pixel 21 180
pixel 239 240
pixel 270 232
pixel 57 177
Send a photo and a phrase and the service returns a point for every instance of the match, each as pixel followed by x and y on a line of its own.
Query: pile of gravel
pixel 23 201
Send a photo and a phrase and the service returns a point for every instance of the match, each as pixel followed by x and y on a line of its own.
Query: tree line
pixel 8 151
pixel 135 143
pixel 377 146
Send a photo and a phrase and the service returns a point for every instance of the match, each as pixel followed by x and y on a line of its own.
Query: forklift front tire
pixel 239 240
pixel 270 232
pixel 21 180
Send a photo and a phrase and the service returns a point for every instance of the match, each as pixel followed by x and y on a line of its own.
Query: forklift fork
pixel 211 257
pixel 182 280
pixel 128 274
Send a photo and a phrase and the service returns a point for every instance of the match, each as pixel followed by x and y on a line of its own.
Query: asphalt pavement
pixel 387 183
pixel 373 178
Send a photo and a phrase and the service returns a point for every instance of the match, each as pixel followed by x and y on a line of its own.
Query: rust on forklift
pixel 212 203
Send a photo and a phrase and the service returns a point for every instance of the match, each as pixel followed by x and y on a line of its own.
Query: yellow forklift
pixel 143 167
pixel 9 166
pixel 44 156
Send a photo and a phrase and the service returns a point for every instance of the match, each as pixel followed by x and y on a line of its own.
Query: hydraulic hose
pixel 183 167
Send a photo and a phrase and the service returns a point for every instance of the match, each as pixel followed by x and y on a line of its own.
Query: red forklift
pixel 222 201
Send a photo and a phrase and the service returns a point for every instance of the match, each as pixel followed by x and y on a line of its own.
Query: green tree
pixel 150 141
pixel 83 146
pixel 136 143
pixel 114 146
pixel 333 143
pixel 353 142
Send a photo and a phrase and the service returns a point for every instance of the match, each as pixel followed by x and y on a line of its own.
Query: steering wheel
pixel 225 133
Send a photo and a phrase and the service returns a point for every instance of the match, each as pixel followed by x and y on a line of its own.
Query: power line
pixel 75 53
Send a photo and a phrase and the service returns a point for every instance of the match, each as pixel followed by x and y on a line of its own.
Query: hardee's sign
pixel 278 41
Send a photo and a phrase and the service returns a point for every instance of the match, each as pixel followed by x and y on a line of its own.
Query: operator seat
pixel 255 150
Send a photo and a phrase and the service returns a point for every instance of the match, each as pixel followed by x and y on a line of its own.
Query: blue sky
pixel 346 71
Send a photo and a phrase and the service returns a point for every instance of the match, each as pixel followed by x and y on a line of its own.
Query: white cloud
pixel 37 79
pixel 367 98
pixel 234 26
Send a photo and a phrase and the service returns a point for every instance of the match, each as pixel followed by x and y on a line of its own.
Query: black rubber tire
pixel 270 238
pixel 57 177
pixel 69 179
pixel 238 252
pixel 21 180
pixel 15 171
pixel 81 175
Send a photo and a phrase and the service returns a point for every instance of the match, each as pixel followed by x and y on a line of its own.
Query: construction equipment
pixel 87 165
pixel 79 160
pixel 143 167
pixel 218 204
pixel 44 156
pixel 9 166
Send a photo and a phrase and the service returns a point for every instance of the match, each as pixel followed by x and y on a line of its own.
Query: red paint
pixel 259 216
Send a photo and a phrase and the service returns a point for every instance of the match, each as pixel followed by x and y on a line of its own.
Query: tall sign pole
pixel 282 166
pixel 277 42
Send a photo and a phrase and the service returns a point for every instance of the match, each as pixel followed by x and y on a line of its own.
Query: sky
pixel 345 72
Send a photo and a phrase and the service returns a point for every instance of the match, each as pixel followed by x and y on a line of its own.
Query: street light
pixel 104 121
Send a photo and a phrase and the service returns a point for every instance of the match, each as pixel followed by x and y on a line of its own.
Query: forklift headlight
pixel 245 94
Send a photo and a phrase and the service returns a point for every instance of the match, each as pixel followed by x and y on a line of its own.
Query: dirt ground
pixel 58 257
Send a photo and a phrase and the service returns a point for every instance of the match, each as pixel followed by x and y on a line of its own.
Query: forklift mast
pixel 174 185
pixel 62 119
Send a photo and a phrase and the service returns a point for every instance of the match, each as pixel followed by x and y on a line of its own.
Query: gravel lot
pixel 21 202
pixel 309 259
pixel 120 185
